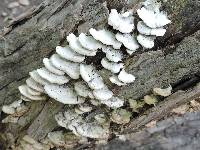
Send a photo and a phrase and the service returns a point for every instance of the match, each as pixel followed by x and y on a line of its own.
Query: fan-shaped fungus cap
pixel 128 41
pixel 88 42
pixel 70 68
pixel 106 37
pixel 112 66
pixel 144 29
pixel 113 54
pixel 24 91
pixel 121 22
pixel 90 75
pixel 34 74
pixel 63 94
pixel 103 94
pixel 33 92
pixel 76 46
pixel 153 19
pixel 125 77
pixel 69 54
pixel 146 41
pixel 34 85
pixel 114 79
pixel 51 77
pixel 51 68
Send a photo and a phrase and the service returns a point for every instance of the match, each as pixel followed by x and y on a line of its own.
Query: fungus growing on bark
pixel 69 54
pixel 51 77
pixel 106 37
pixel 70 68
pixel 122 22
pixel 76 46
pixel 112 66
pixel 63 94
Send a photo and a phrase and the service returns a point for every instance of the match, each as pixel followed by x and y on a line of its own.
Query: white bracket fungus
pixel 68 54
pixel 63 94
pixel 76 46
pixel 34 74
pixel 103 94
pixel 88 42
pixel 112 66
pixel 33 92
pixel 34 85
pixel 128 41
pixel 68 62
pixel 90 75
pixel 112 54
pixel 153 18
pixel 146 41
pixel 51 68
pixel 125 77
pixel 121 22
pixel 144 29
pixel 70 68
pixel 106 37
pixel 114 79
pixel 51 77
pixel 24 91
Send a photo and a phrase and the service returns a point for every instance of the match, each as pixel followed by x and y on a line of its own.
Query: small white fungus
pixel 144 29
pixel 121 22
pixel 76 46
pixel 114 79
pixel 51 68
pixel 125 77
pixel 34 74
pixel 112 66
pixel 146 41
pixel 113 54
pixel 88 42
pixel 67 53
pixel 34 85
pixel 106 37
pixel 103 94
pixel 70 68
pixel 51 77
pixel 63 94
pixel 128 41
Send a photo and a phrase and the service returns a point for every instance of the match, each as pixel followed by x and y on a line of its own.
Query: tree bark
pixel 180 133
pixel 26 41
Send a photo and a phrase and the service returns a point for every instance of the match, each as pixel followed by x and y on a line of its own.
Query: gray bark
pixel 35 35
pixel 177 133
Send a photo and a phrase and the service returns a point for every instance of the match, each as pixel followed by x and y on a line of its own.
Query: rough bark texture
pixel 177 133
pixel 35 35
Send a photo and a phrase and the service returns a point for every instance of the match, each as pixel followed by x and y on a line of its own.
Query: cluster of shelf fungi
pixel 88 90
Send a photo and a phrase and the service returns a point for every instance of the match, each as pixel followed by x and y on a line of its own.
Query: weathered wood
pixel 35 36
pixel 179 133
pixel 163 108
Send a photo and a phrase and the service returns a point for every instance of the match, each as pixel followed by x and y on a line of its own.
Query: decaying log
pixel 180 133
pixel 34 36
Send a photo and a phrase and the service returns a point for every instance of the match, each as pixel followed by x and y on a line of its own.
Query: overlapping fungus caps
pixel 89 91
